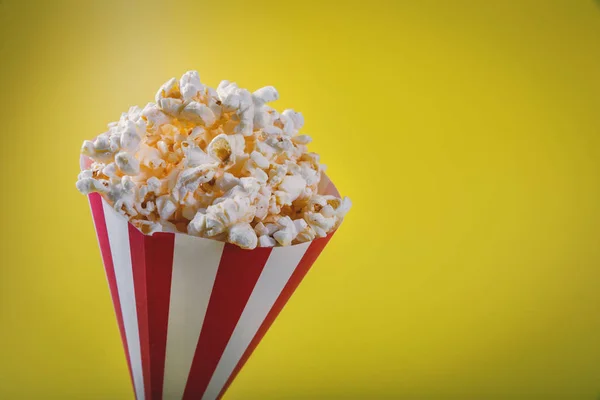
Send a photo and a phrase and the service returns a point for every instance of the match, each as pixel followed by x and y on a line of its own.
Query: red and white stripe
pixel 192 310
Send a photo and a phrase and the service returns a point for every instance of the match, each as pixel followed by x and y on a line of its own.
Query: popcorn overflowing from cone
pixel 209 211
pixel 219 164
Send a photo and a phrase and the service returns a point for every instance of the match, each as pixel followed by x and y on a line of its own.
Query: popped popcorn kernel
pixel 242 235
pixel 266 241
pixel 293 185
pixel 220 148
pixel 87 185
pixel 216 163
pixel 127 163
pixel 147 227
pixel 197 225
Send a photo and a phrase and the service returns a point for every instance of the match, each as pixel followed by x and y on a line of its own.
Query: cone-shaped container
pixel 192 310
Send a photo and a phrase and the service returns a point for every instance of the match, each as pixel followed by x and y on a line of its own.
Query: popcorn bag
pixel 192 310
pixel 209 210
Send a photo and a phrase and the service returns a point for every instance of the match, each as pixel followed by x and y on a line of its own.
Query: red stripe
pixel 152 261
pixel 237 274
pixel 102 233
pixel 312 253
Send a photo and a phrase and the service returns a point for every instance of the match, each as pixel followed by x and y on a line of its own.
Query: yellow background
pixel 466 133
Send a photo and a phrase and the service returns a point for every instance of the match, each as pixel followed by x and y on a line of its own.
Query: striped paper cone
pixel 191 310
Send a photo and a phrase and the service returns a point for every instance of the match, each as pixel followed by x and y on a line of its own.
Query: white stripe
pixel 277 271
pixel 118 236
pixel 195 264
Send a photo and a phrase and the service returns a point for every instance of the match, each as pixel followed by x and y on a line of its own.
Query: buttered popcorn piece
pixel 127 163
pixel 216 163
pixel 199 112
pixel 266 241
pixel 242 235
pixel 222 147
pixel 87 184
pixel 294 185
pixel 287 233
pixel 190 85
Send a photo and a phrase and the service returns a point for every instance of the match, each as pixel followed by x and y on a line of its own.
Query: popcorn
pixel 302 139
pixel 99 149
pixel 131 134
pixel 343 208
pixel 300 225
pixel 306 235
pixel 197 225
pixel 296 118
pixel 221 148
pixel 169 89
pixel 112 171
pixel 227 213
pixel 260 229
pixel 194 155
pixel 243 235
pixel 262 204
pixel 127 163
pixel 154 115
pixel 277 174
pixel 271 229
pixel 199 112
pixel 165 207
pixel 320 223
pixel 150 157
pixel 266 241
pixel 87 184
pixel 310 175
pixel 149 227
pixel 260 160
pixel 190 179
pixel 122 196
pixel 239 100
pixel 287 233
pixel 293 185
pixel 190 85
pixel 227 181
pixel 264 95
pixel 220 164
pixel 259 174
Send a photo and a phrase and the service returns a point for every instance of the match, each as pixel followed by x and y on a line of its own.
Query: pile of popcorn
pixel 219 164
